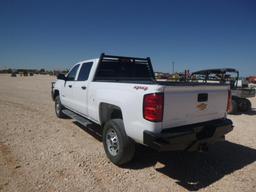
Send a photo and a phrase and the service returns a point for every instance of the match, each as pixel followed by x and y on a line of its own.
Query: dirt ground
pixel 39 152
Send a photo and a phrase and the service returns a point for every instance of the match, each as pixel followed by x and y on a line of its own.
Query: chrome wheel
pixel 112 142
pixel 57 107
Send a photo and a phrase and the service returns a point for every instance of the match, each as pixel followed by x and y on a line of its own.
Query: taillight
pixel 153 107
pixel 229 102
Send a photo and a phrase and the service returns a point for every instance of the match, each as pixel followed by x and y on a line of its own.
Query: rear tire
pixel 118 147
pixel 249 104
pixel 59 107
pixel 244 105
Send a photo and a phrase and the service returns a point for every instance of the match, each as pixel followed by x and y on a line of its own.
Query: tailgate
pixel 185 105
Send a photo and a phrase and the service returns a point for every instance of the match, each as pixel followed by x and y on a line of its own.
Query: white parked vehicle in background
pixel 123 97
pixel 240 90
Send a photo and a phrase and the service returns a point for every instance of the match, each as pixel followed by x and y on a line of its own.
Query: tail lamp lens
pixel 153 107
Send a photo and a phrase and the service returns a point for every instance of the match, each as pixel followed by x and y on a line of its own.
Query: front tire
pixel 118 147
pixel 59 107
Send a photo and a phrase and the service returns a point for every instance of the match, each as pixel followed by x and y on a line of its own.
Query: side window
pixel 85 71
pixel 72 74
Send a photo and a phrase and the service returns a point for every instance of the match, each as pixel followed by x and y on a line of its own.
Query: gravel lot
pixel 39 152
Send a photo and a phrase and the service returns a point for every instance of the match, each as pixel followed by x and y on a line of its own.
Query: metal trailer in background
pixel 239 87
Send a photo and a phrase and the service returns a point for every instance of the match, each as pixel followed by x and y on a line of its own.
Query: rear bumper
pixel 188 137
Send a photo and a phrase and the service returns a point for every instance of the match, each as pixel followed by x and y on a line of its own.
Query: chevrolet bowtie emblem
pixel 201 106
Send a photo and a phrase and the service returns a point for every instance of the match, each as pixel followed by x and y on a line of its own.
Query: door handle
pixel 83 87
pixel 69 86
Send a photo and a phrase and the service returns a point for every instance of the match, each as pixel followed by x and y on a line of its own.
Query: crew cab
pixel 122 95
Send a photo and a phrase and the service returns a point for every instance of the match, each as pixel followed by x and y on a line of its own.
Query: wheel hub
pixel 112 142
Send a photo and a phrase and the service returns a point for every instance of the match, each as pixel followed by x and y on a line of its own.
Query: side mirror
pixel 61 76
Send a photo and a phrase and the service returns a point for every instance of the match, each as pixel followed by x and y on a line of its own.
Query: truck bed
pixel 170 83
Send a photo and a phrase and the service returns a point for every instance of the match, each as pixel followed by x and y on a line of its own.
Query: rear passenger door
pixel 81 90
pixel 67 90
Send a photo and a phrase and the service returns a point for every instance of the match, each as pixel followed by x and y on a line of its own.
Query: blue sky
pixel 195 34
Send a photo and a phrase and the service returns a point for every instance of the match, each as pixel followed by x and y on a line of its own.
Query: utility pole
pixel 173 63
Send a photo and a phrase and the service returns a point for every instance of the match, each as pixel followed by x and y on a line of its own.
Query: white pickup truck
pixel 122 95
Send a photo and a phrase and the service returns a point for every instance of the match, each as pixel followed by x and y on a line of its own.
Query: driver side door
pixel 67 94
